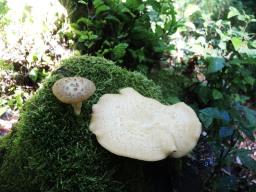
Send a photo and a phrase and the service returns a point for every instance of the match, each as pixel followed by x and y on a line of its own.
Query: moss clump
pixel 52 150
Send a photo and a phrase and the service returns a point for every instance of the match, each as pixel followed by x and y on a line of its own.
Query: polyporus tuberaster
pixel 73 90
pixel 131 125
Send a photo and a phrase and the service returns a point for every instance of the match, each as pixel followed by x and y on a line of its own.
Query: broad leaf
pixel 236 42
pixel 119 50
pixel 233 12
pixel 246 160
pixel 191 9
pixel 253 43
pixel 216 94
pixel 249 114
pixel 101 9
pixel 249 52
pixel 33 74
pixel 225 183
pixel 226 132
pixel 3 110
pixel 215 64
pixel 207 115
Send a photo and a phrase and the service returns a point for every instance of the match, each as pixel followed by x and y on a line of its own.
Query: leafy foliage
pixel 130 33
pixel 219 59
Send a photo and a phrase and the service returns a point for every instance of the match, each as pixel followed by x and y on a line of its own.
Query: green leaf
pixel 207 115
pixel 215 64
pixel 223 36
pixel 233 12
pixel 133 4
pixel 226 132
pixel 102 8
pixel 191 9
pixel 84 20
pixel 236 42
pixel 253 43
pixel 249 80
pixel 249 52
pixel 97 3
pixel 3 110
pixel 216 94
pixel 33 74
pixel 225 183
pixel 246 160
pixel 119 51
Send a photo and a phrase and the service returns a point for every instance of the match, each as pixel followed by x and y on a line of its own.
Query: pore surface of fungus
pixel 73 90
pixel 131 125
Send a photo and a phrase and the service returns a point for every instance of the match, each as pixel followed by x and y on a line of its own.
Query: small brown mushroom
pixel 73 90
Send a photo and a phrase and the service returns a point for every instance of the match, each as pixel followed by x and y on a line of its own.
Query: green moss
pixel 52 150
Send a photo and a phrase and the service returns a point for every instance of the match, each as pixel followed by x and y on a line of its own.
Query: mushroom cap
pixel 131 125
pixel 73 90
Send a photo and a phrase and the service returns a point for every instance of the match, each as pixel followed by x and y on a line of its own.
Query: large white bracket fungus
pixel 131 125
pixel 73 90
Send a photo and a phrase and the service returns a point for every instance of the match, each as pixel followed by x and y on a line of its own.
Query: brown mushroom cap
pixel 72 90
pixel 131 125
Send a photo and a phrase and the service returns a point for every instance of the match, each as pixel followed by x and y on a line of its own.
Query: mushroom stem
pixel 77 108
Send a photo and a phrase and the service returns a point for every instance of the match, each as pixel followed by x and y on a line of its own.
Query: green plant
pixel 219 61
pixel 51 149
pixel 131 33
pixel 3 11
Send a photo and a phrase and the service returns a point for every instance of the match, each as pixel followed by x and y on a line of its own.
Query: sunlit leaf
pixel 233 12
pixel 3 110
pixel 191 9
pixel 236 42
pixel 253 43
pixel 33 74
pixel 248 52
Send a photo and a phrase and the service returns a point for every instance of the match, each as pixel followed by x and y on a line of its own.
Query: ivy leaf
pixel 233 12
pixel 215 64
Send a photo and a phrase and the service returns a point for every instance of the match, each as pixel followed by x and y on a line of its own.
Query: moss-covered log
pixel 51 149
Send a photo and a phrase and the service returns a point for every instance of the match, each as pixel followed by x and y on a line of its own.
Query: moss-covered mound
pixel 52 150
